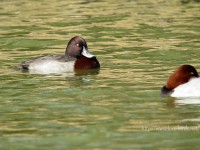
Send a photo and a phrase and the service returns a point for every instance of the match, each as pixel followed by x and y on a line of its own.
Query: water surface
pixel 138 43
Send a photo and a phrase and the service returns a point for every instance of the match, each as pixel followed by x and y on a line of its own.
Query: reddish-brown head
pixel 77 47
pixel 182 75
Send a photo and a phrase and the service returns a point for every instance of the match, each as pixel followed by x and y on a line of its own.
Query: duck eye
pixel 192 73
pixel 77 45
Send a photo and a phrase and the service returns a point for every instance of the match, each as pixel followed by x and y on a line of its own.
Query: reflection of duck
pixel 76 57
pixel 79 72
pixel 184 82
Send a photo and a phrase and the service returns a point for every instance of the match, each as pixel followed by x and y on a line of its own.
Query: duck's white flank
pixel 189 89
pixel 48 67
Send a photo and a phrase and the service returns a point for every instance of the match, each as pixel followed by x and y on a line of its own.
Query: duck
pixel 184 82
pixel 76 57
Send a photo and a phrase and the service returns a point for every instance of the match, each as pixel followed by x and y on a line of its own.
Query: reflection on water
pixel 188 101
pixel 138 43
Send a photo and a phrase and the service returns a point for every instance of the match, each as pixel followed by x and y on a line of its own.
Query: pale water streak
pixel 139 43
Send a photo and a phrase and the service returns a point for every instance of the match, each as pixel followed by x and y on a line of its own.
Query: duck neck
pixel 166 91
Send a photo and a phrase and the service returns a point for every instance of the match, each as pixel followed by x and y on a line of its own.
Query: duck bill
pixel 86 53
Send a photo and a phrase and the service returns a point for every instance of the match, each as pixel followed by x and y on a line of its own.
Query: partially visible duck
pixel 76 57
pixel 184 82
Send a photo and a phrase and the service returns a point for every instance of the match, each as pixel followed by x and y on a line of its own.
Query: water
pixel 138 43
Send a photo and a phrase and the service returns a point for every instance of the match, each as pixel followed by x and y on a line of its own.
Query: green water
pixel 139 43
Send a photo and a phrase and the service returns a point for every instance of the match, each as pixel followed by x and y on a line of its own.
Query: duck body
pixel 184 82
pixel 189 89
pixel 76 57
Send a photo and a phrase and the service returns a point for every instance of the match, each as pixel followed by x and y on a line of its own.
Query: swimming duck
pixel 184 82
pixel 76 57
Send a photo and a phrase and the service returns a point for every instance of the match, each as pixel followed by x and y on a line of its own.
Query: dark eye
pixel 77 45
